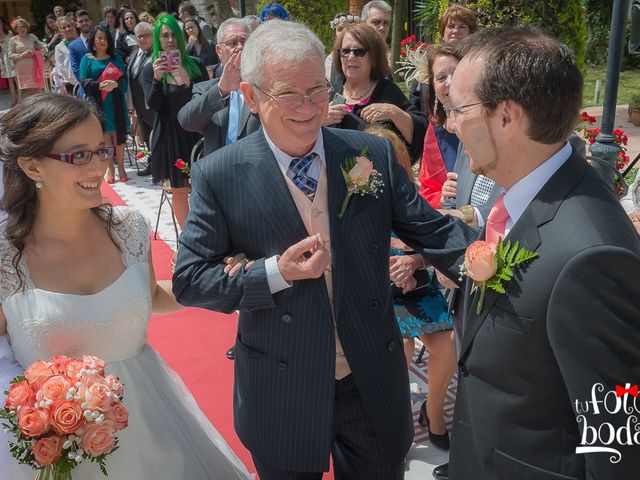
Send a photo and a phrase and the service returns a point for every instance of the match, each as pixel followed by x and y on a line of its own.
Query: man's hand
pixel 635 219
pixel 234 264
pixel 444 281
pixel 305 260
pixel 230 78
pixel 402 267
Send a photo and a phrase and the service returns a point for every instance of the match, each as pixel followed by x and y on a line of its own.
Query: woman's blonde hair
pixel 399 148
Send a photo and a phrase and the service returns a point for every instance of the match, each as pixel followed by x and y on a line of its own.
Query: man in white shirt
pixel 64 78
pixel 568 322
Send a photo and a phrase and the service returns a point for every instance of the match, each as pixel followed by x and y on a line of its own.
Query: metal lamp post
pixel 604 147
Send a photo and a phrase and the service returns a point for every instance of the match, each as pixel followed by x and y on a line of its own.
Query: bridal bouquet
pixel 62 412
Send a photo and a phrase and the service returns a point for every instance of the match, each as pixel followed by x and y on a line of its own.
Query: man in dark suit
pixel 79 48
pixel 319 363
pixel 217 109
pixel 535 360
pixel 139 57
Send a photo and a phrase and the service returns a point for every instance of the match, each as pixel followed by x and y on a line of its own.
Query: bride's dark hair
pixel 31 129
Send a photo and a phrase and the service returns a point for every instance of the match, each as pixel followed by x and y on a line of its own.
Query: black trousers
pixel 357 453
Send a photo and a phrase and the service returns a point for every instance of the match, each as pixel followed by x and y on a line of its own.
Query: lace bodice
pixel 110 324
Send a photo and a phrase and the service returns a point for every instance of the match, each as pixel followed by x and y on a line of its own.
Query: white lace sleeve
pixel 133 232
pixel 9 280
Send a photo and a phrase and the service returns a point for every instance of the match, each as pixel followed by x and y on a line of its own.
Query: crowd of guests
pixel 173 81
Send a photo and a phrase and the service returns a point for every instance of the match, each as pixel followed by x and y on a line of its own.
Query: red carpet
pixel 193 342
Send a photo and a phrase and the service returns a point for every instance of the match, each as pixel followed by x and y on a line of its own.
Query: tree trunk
pixel 397 33
pixel 355 6
pixel 222 11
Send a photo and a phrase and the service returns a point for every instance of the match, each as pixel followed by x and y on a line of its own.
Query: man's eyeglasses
pixel 358 52
pixel 234 42
pixel 453 111
pixel 296 100
pixel 84 156
pixel 379 21
pixel 143 36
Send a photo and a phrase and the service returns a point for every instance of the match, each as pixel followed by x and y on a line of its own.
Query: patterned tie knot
pixel 298 173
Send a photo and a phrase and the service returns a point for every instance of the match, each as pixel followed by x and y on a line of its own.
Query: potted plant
pixel 634 110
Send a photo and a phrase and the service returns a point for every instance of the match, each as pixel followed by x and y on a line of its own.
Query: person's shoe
pixel 441 472
pixel 111 180
pixel 437 440
pixel 146 172
pixel 124 179
pixel 231 353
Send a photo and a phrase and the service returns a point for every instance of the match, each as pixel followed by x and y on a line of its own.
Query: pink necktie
pixel 496 221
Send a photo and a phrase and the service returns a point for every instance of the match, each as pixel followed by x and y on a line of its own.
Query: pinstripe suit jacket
pixel 285 350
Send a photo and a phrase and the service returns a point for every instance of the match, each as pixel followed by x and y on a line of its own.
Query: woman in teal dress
pixel 115 119
pixel 421 312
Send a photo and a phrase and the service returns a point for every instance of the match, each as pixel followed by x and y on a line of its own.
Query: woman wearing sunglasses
pixel 368 96
pixel 78 279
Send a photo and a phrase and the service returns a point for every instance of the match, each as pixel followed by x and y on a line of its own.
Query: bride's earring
pixel 38 182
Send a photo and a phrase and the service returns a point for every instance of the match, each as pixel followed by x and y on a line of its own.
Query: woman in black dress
pixel 167 88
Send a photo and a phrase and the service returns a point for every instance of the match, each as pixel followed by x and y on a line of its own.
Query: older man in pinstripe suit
pixel 319 362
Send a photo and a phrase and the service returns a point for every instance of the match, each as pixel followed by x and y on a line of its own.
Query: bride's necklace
pixel 359 97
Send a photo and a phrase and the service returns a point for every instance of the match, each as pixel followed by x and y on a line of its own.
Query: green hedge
pixel 562 18
pixel 315 14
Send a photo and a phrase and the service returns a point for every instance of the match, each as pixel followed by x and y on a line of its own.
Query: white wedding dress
pixel 168 437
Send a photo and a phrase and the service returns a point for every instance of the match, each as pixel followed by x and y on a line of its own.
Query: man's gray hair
pixel 265 47
pixel 143 27
pixel 379 4
pixel 227 23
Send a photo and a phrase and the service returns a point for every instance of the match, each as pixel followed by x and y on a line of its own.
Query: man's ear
pixel 513 117
pixel 219 50
pixel 249 95
pixel 30 167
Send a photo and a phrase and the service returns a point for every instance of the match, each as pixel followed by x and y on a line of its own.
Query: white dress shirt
pixel 274 277
pixel 518 197
pixel 62 71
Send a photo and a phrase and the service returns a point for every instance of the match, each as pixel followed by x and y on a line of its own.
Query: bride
pixel 76 278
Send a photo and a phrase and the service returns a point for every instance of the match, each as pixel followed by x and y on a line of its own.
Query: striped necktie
pixel 298 173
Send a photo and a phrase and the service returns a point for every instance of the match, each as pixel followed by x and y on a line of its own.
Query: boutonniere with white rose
pixel 360 178
pixel 491 266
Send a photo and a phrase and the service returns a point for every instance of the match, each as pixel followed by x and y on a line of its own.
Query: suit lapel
pixel 540 211
pixel 243 119
pixel 266 184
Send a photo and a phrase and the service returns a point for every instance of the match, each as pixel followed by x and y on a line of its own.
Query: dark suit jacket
pixel 570 319
pixel 285 350
pixel 77 50
pixel 208 114
pixel 137 91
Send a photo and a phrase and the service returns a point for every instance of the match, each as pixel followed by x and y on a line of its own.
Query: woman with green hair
pixel 167 83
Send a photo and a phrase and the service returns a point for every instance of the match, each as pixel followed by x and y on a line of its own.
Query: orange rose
pixel 118 416
pixel 53 388
pixel 65 417
pixel 97 397
pixel 20 394
pixel 38 372
pixel 47 450
pixel 73 368
pixel 114 384
pixel 32 422
pixel 97 439
pixel 59 364
pixel 480 261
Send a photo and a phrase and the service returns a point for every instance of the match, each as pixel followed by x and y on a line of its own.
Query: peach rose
pixel 47 450
pixel 73 368
pixel 59 364
pixel 94 363
pixel 53 388
pixel 480 261
pixel 360 173
pixel 32 422
pixel 118 416
pixel 65 416
pixel 97 439
pixel 38 372
pixel 114 384
pixel 20 394
pixel 97 397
